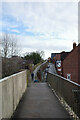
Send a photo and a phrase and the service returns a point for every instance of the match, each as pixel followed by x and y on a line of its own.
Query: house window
pixel 69 76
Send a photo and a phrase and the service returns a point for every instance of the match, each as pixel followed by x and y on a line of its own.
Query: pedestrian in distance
pixel 32 76
pixel 39 75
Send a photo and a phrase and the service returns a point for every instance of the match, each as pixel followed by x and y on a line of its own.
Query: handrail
pixel 67 90
pixel 65 79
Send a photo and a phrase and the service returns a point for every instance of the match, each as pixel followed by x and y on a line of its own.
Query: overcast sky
pixel 47 26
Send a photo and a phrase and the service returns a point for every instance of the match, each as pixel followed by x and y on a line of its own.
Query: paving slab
pixel 40 102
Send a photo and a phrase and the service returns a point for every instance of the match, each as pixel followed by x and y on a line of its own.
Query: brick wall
pixel 70 65
pixel 58 56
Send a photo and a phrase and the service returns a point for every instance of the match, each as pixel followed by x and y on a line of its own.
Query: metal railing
pixel 66 89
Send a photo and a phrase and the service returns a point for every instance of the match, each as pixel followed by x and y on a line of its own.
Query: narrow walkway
pixel 40 102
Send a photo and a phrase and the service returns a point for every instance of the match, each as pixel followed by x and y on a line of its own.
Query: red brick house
pixel 71 65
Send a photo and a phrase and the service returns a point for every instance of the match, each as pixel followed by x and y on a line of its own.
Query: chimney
pixel 74 45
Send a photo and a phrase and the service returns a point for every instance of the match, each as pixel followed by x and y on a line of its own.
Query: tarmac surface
pixel 52 68
pixel 40 102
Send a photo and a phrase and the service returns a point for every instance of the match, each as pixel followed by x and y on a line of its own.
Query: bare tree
pixel 5 45
pixel 9 49
pixel 42 54
pixel 9 45
pixel 13 46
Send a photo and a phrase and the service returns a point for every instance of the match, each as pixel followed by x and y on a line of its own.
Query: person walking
pixel 32 76
pixel 39 75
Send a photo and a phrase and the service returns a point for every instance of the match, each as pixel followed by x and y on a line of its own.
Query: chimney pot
pixel 74 45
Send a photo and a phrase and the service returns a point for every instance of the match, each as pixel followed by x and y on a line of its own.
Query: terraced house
pixel 71 65
pixel 68 63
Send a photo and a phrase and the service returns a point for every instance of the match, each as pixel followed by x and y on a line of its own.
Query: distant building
pixel 53 55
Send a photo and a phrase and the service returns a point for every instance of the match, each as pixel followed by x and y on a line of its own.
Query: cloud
pixel 34 43
pixel 40 0
pixel 15 31
pixel 42 25
pixel 55 15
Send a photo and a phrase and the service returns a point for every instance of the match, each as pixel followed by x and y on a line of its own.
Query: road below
pixel 52 68
pixel 35 71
